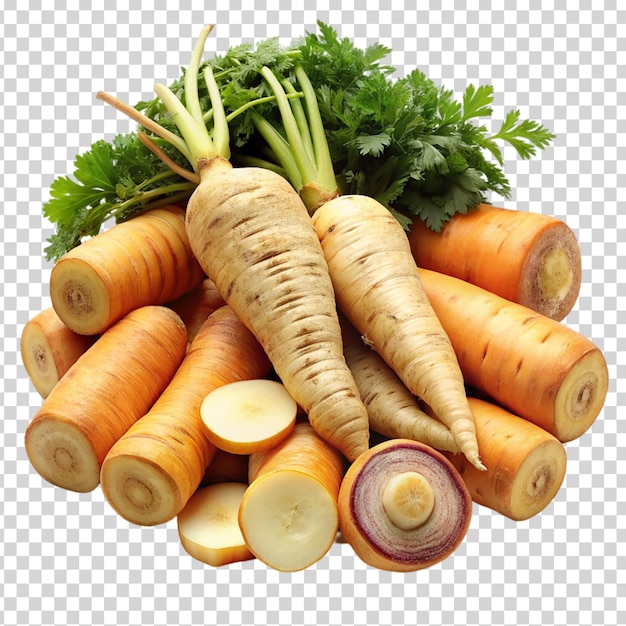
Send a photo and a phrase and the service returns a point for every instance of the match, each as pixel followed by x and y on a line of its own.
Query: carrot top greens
pixel 403 140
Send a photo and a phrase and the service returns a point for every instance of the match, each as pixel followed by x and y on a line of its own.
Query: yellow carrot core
pixel 408 500
pixel 555 277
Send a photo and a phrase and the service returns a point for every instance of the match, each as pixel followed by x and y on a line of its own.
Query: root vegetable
pixel 103 394
pixel 537 367
pixel 378 288
pixel 369 259
pixel 248 416
pixel 525 464
pixel 525 257
pixel 288 515
pixel 252 236
pixel 144 261
pixel 49 348
pixel 208 525
pixel 393 410
pixel 152 471
pixel 403 506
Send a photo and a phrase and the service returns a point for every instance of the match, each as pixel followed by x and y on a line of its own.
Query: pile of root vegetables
pixel 272 374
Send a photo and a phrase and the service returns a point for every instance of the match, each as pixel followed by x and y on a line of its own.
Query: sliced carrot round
pixel 248 416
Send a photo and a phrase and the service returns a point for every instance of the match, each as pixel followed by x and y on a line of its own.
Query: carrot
pixel 526 257
pixel 107 389
pixel 146 260
pixel 525 464
pixel 288 515
pixel 378 288
pixel 393 410
pixel 196 305
pixel 537 367
pixel 252 236
pixel 152 471
pixel 403 506
pixel 49 348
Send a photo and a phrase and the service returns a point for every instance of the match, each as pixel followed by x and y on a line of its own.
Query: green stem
pixel 221 137
pixel 281 148
pixel 325 171
pixel 303 162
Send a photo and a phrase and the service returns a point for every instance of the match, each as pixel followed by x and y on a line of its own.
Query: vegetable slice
pixel 403 506
pixel 288 515
pixel 248 416
pixel 208 526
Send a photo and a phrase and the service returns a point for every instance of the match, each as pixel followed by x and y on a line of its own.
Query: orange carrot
pixel 152 471
pixel 251 233
pixel 525 464
pixel 403 506
pixel 107 389
pixel 526 257
pixel 196 305
pixel 48 348
pixel 288 515
pixel 393 410
pixel 378 288
pixel 146 260
pixel 537 367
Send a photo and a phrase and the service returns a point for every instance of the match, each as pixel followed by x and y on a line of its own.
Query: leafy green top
pixel 405 141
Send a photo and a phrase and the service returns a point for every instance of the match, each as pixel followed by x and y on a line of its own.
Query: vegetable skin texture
pixel 393 410
pixel 49 348
pixel 253 237
pixel 372 532
pixel 102 395
pixel 208 525
pixel 537 367
pixel 151 472
pixel 378 288
pixel 525 464
pixel 144 261
pixel 288 515
pixel 525 257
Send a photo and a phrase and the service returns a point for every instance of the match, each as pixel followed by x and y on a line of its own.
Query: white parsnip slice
pixel 288 515
pixel 208 526
pixel 248 416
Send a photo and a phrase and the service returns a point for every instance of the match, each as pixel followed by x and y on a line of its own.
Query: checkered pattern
pixel 68 559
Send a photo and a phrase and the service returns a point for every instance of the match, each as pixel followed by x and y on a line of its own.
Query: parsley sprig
pixel 406 141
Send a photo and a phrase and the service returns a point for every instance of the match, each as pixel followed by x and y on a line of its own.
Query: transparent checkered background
pixel 68 559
